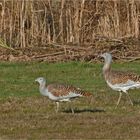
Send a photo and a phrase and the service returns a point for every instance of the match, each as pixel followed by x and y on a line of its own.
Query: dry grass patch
pixel 35 118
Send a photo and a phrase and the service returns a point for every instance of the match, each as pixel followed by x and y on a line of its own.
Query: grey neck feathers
pixel 43 90
pixel 107 65
pixel 42 85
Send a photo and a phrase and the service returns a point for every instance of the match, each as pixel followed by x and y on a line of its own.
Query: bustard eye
pixel 41 79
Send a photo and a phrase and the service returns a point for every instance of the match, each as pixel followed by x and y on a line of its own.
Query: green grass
pixel 26 114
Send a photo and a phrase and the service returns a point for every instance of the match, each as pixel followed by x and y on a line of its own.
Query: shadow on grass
pixel 84 110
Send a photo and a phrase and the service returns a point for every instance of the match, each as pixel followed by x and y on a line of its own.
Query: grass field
pixel 25 114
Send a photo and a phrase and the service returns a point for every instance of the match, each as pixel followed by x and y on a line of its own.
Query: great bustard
pixel 60 92
pixel 118 80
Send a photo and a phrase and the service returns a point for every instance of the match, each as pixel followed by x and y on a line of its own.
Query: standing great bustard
pixel 59 92
pixel 118 80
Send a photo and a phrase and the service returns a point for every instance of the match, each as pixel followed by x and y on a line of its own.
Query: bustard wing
pixel 117 77
pixel 60 90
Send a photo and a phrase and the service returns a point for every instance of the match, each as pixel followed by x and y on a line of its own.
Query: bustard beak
pixel 36 80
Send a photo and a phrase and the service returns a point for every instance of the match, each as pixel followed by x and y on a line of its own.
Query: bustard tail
pixel 83 93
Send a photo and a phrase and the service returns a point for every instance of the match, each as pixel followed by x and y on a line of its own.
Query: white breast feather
pixel 124 86
pixel 45 92
pixel 70 95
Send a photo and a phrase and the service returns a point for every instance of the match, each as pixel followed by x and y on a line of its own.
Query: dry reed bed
pixel 39 23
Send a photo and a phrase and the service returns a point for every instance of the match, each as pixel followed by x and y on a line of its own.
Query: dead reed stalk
pixel 38 23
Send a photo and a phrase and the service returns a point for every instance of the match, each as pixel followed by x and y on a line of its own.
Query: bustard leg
pixel 72 110
pixel 119 99
pixel 57 107
pixel 129 98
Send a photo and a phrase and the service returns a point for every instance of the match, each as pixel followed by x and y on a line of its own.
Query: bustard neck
pixel 42 85
pixel 43 89
pixel 107 66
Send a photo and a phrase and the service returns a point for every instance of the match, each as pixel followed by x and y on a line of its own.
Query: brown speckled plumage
pixel 117 77
pixel 59 90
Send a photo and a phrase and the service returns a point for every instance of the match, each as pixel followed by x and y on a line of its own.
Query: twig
pixel 46 55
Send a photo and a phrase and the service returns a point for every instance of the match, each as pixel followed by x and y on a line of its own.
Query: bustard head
pixel 41 80
pixel 107 57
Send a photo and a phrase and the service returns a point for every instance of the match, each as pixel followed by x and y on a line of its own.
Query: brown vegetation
pixel 37 23
pixel 34 118
pixel 33 28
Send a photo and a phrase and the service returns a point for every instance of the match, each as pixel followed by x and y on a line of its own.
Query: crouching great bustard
pixel 118 80
pixel 60 92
